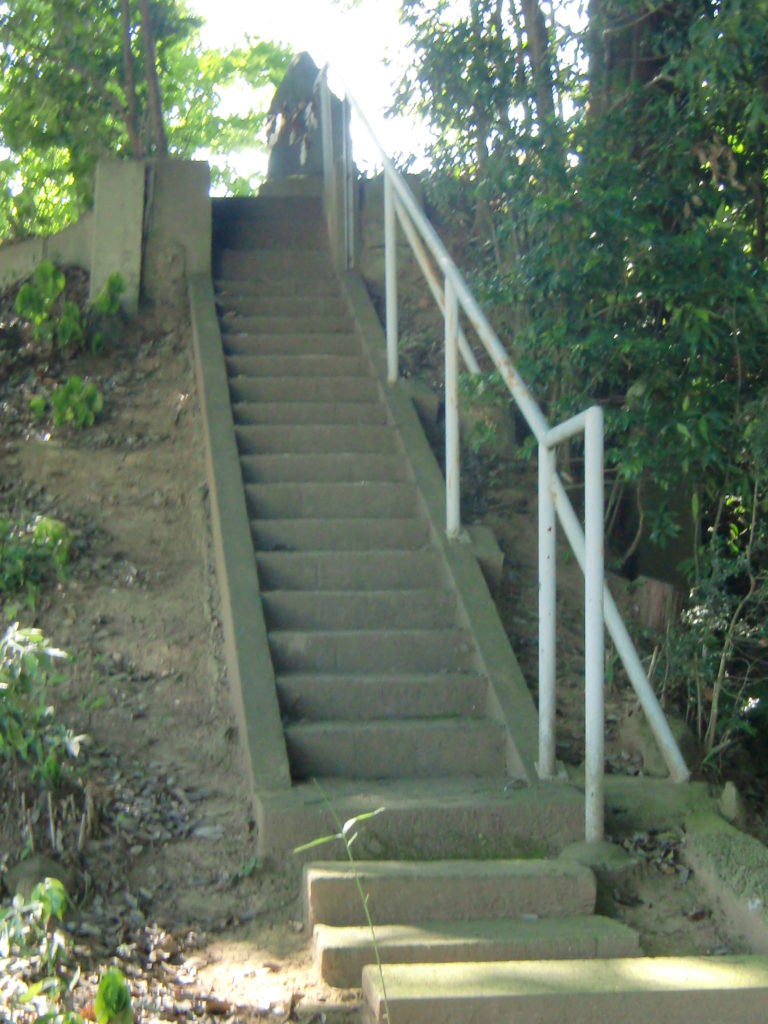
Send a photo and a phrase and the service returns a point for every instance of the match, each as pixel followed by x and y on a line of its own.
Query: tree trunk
pixel 132 116
pixel 153 86
pixel 541 66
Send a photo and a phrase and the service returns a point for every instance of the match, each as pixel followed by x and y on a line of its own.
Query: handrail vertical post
pixel 594 633
pixel 390 276
pixel 349 184
pixel 547 613
pixel 329 190
pixel 452 456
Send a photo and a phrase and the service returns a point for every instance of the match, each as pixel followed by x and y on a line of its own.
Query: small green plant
pixel 104 312
pixel 36 300
pixel 76 402
pixel 29 731
pixel 112 1004
pixel 31 553
pixel 28 932
pixel 347 833
pixel 60 321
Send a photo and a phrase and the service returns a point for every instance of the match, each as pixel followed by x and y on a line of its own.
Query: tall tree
pixel 159 140
pixel 75 84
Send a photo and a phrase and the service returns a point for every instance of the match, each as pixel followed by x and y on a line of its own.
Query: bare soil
pixel 158 832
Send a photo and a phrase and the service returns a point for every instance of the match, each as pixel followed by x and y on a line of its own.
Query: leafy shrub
pixel 76 402
pixel 55 319
pixel 29 732
pixel 31 552
pixel 36 300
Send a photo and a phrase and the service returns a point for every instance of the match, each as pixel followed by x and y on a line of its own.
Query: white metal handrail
pixel 587 544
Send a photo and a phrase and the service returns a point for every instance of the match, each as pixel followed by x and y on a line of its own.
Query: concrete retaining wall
pixel 151 222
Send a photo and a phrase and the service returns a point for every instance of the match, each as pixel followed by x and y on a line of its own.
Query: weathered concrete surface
pixel 423 819
pixel 510 700
pixel 341 953
pixel 676 990
pixel 252 680
pixel 118 228
pixel 70 248
pixel 178 234
pixel 733 867
pixel 445 890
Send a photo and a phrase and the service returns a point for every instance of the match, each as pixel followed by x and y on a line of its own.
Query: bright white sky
pixel 354 42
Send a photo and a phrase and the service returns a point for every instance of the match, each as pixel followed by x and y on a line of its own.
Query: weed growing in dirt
pixel 112 1004
pixel 29 935
pixel 57 321
pixel 76 402
pixel 32 552
pixel 29 732
pixel 347 833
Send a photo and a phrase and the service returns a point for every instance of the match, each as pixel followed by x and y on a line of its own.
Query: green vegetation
pixel 612 180
pixel 32 552
pixel 79 80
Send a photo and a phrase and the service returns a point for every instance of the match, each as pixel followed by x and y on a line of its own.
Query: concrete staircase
pixel 394 680
pixel 375 676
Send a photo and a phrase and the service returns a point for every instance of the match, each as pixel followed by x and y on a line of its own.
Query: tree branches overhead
pixel 82 78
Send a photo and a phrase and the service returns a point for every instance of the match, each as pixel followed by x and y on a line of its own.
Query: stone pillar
pixel 118 228
pixel 178 236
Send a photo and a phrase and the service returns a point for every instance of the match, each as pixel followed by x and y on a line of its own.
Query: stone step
pixel 319 535
pixel 294 440
pixel 423 819
pixel 348 570
pixel 268 264
pixel 306 344
pixel 375 609
pixel 357 500
pixel 341 953
pixel 413 892
pixel 304 389
pixel 281 305
pixel 253 284
pixel 374 650
pixel 298 365
pixel 317 413
pixel 289 323
pixel 437 748
pixel 675 990
pixel 377 696
pixel 323 468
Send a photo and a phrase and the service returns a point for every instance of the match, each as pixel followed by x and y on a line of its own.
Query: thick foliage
pixel 66 98
pixel 614 180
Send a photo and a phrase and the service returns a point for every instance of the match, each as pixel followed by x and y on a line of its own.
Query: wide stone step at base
pixel 322 469
pixel 339 534
pixel 341 953
pixel 446 890
pixel 375 696
pixel 339 610
pixel 380 650
pixel 423 819
pixel 311 389
pixel 675 990
pixel 340 500
pixel 323 439
pixel 437 748
pixel 349 570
